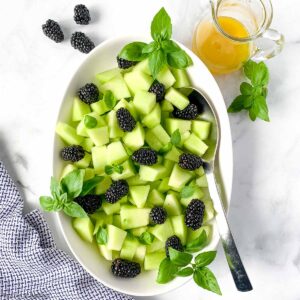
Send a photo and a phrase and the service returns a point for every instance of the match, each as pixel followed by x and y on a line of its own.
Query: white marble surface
pixel 265 206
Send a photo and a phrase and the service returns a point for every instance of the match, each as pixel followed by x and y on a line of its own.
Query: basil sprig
pixel 162 50
pixel 64 192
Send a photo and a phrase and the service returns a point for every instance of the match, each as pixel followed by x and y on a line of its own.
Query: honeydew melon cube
pixel 84 227
pixel 168 164
pixel 138 231
pixel 114 130
pixel 136 138
pixel 117 86
pixel 153 118
pixel 132 217
pixel 128 171
pixel 155 246
pixel 202 181
pixel 184 137
pixel 110 208
pixel 99 136
pixel 116 153
pixel 198 194
pixel 179 228
pixel 100 107
pixel 103 186
pixel 155 198
pixel 107 75
pixel 179 178
pixel 81 129
pixel 177 99
pixel 172 205
pixel 139 194
pixel 153 260
pixel 162 231
pixel 101 219
pixel 164 185
pixel 143 66
pixel 116 221
pixel 116 237
pixel 166 77
pixel 67 169
pixel 129 248
pixel 140 253
pixel 173 154
pixel 152 173
pixel 68 134
pixel 194 234
pixel 79 109
pixel 200 171
pixel 100 119
pixel 99 159
pixel 182 78
pixel 136 180
pixel 84 162
pixel 105 252
pixel 201 129
pixel 195 145
pixel 144 102
pixel 89 174
pixel 209 212
pixel 138 81
pixel 152 140
pixel 166 106
pixel 174 124
pixel 161 134
pixel 87 144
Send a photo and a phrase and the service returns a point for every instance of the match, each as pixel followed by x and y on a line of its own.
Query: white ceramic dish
pixel 102 58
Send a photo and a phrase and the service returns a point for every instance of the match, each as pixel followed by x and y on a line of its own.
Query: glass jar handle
pixel 278 42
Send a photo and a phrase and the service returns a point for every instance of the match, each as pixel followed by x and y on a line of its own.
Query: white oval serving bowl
pixel 102 58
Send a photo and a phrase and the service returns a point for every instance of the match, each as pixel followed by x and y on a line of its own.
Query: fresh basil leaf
pixel 246 89
pixel 259 108
pixel 109 99
pixel 169 46
pixel 176 137
pixel 55 188
pixel 102 236
pixel 118 169
pixel 205 258
pixel 187 191
pixel 178 258
pixel 179 59
pixel 161 26
pixel 47 203
pixel 167 271
pixel 146 238
pixel 165 148
pixel 197 244
pixel 133 51
pixel 74 210
pixel 109 169
pixel 250 69
pixel 185 272
pixel 151 47
pixel 207 280
pixel 157 60
pixel 90 184
pixel 72 183
pixel 264 92
pixel 237 104
pixel 89 121
pixel 248 101
pixel 261 75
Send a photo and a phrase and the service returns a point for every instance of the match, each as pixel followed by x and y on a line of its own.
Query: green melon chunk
pixel 179 178
pixel 144 102
pixel 153 260
pixel 84 162
pixel 68 134
pixel 67 169
pixel 132 217
pixel 117 86
pixel 209 212
pixel 168 164
pixel 153 118
pixel 102 219
pixel 152 173
pixel 140 253
pixel 116 221
pixel 155 198
pixel 111 209
pixel 103 186
pixel 166 106
pixel 177 99
pixel 172 205
pixel 87 144
pixel 99 159
pixel 128 171
pixel 164 185
pixel 105 252
pixel 198 194
pixel 174 124
pixel 103 77
pixel 116 237
pixel 114 130
pixel 201 129
pixel 139 194
pixel 117 153
pixel 138 231
pixel 100 107
pixel 99 136
pixel 195 145
pixel 84 227
pixel 81 129
pixel 152 140
pixel 166 77
pixel 202 181
pixel 137 81
pixel 155 246
pixel 79 109
pixel 179 228
pixel 135 139
pixel 194 234
pixel 129 248
pixel 182 78
pixel 162 231
pixel 200 172
pixel 161 134
pixel 89 174
pixel 136 180
pixel 173 154
pixel 143 66
pixel 184 137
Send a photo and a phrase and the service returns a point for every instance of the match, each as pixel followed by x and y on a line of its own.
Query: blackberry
pixel 189 113
pixel 158 215
pixel 116 191
pixel 82 42
pixel 194 214
pixel 125 119
pixel 90 203
pixel 190 161
pixel 197 99
pixel 53 31
pixel 89 93
pixel 175 243
pixel 145 156
pixel 158 89
pixel 124 63
pixel 125 268
pixel 81 14
pixel 72 153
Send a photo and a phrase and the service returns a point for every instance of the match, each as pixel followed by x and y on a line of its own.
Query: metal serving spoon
pixel 234 261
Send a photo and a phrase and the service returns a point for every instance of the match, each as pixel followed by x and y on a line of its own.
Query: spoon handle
pixel 234 261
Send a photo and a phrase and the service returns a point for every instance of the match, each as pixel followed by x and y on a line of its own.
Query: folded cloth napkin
pixel 31 267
